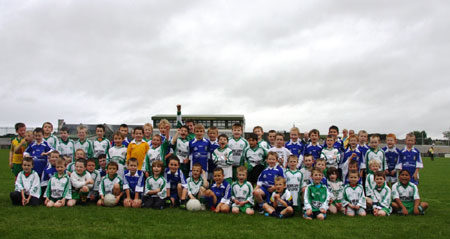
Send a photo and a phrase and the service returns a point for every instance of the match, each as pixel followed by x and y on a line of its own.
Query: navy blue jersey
pixel 47 175
pixel 296 148
pixel 222 192
pixel 135 183
pixel 348 153
pixel 102 172
pixel 211 164
pixel 199 152
pixel 363 149
pixel 392 155
pixel 35 151
pixel 410 160
pixel 314 150
pixel 268 175
pixel 173 179
pixel 125 143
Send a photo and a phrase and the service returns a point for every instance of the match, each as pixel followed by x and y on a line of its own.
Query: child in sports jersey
pixel 95 175
pixel 197 183
pixel 308 162
pixel 153 154
pixel 242 193
pixel 213 133
pixel 190 124
pixel 258 130
pixel 265 184
pixel 66 146
pixel 316 198
pixel 354 200
pixel 123 129
pixel 381 196
pixel 370 184
pixel 133 184
pixel 362 142
pixel 177 182
pixel 313 147
pixel 117 153
pixel 180 145
pixel 48 136
pixel 38 150
pixel 219 194
pixel 137 148
pixel 148 133
pixel 353 166
pixel 375 153
pixel 295 145
pixel 237 144
pixel 111 184
pixel 406 196
pixel 280 205
pixel 199 148
pixel 59 188
pixel 81 182
pixel 392 154
pixel 18 146
pixel 321 164
pixel 79 154
pixel 101 144
pixel 255 155
pixel 83 143
pixel 282 152
pixel 352 153
pixel 164 130
pixel 336 188
pixel 338 143
pixel 50 170
pixel 330 153
pixel 410 159
pixel 271 138
pixel 223 158
pixel 294 181
pixel 27 187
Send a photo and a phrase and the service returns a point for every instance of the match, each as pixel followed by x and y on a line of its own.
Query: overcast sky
pixel 382 66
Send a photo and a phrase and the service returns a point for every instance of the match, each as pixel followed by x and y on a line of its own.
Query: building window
pixel 220 124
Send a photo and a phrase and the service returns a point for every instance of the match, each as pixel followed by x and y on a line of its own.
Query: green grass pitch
pixel 94 222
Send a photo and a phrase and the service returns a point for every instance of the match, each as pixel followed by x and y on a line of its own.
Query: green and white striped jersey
pixel 255 156
pixel 316 197
pixel 95 175
pixel 242 192
pixel 70 167
pixel 79 180
pixel 223 158
pixel 377 155
pixel 52 141
pixel 117 154
pixel 107 184
pixel 336 189
pixel 86 146
pixel 237 146
pixel 264 144
pixel 194 186
pixel 294 183
pixel 332 157
pixel 182 149
pixel 66 148
pixel 59 187
pixel 31 184
pixel 354 195
pixel 382 197
pixel 406 193
pixel 370 184
pixel 306 175
pixel 101 147
pixel 153 183
pixel 153 154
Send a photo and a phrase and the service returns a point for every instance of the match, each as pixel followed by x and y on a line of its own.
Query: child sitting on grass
pixel 374 165
pixel 133 184
pixel 280 205
pixel 177 182
pixel 219 194
pixel 406 196
pixel 197 184
pixel 242 193
pixel 336 188
pixel 223 158
pixel 59 187
pixel 156 187
pixel 294 182
pixel 354 200
pixel 381 196
pixel 111 184
pixel 27 187
pixel 81 182
pixel 95 175
pixel 316 198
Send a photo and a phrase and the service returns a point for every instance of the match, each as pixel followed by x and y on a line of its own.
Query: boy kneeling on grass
pixel 111 183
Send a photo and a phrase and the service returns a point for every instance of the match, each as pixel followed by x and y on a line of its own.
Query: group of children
pixel 226 174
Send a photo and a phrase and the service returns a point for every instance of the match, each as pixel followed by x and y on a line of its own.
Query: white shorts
pixel 351 212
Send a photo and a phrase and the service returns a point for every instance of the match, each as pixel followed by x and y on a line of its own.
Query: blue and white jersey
pixel 348 153
pixel 285 196
pixel 47 175
pixel 173 179
pixel 134 183
pixel 296 148
pixel 363 149
pixel 35 151
pixel 268 175
pixel 214 145
pixel 392 155
pixel 222 192
pixel 199 152
pixel 314 150
pixel 410 160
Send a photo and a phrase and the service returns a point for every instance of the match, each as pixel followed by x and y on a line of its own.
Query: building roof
pixel 201 117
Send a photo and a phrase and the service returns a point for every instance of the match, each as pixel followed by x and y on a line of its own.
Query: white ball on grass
pixel 109 200
pixel 193 205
